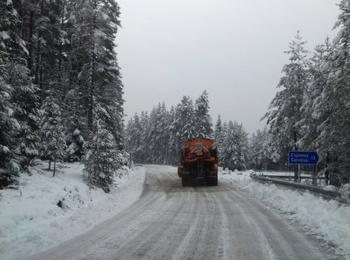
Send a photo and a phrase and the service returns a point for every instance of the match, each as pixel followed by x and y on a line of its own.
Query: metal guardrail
pixel 325 193
pixel 290 176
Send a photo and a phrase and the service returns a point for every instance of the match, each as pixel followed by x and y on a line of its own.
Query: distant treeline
pixel 156 137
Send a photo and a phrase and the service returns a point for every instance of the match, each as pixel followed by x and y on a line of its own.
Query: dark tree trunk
pixel 296 167
pixel 92 72
pixel 38 54
pixel 30 44
pixel 54 168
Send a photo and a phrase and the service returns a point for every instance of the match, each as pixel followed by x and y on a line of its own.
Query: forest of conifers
pixel 61 90
pixel 61 98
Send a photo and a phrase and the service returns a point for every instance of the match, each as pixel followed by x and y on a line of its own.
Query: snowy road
pixel 172 222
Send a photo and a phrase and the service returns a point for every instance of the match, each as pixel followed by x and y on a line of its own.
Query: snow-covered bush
pixel 75 146
pixel 345 192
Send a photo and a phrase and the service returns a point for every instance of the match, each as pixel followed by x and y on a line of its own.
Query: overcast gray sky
pixel 232 48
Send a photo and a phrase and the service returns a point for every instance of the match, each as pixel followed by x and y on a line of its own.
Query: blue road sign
pixel 296 157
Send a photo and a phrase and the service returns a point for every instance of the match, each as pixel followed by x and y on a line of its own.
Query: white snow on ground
pixel 31 221
pixel 328 219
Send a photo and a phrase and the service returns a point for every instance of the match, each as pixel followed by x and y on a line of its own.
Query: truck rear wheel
pixel 213 181
pixel 186 181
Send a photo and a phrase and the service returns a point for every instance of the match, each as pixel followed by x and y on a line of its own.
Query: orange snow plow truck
pixel 199 162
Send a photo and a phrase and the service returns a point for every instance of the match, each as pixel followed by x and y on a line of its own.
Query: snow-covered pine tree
pixel 25 100
pixel 53 143
pixel 93 54
pixel 185 119
pixel 219 135
pixel 173 138
pixel 104 156
pixel 314 113
pixel 19 100
pixel 165 138
pixel 75 146
pixel 261 150
pixel 284 111
pixel 228 150
pixel 75 125
pixel 243 143
pixel 46 28
pixel 9 40
pixel 154 134
pixel 203 124
pixel 132 137
pixel 12 45
pixel 224 131
pixel 163 142
pixel 335 128
pixel 235 147
pixel 96 71
pixel 8 129
pixel 100 165
pixel 39 19
pixel 143 149
pixel 158 134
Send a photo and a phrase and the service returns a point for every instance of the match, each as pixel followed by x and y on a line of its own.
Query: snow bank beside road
pixel 329 220
pixel 31 221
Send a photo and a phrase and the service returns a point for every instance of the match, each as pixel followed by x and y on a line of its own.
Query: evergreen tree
pixel 219 135
pixel 335 103
pixel 202 117
pixel 19 103
pixel 8 129
pixel 103 158
pixel 75 146
pixel 93 43
pixel 52 134
pixel 75 126
pixel 134 133
pixel 173 143
pixel 25 100
pixel 313 111
pixel 156 128
pixel 261 150
pixel 186 119
pixel 284 111
pixel 65 50
pixel 235 148
pixel 12 46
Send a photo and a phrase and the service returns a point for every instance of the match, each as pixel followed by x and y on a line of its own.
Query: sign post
pixel 298 158
pixel 314 176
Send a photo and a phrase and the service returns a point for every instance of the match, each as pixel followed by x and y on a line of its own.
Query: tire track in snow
pixel 173 222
